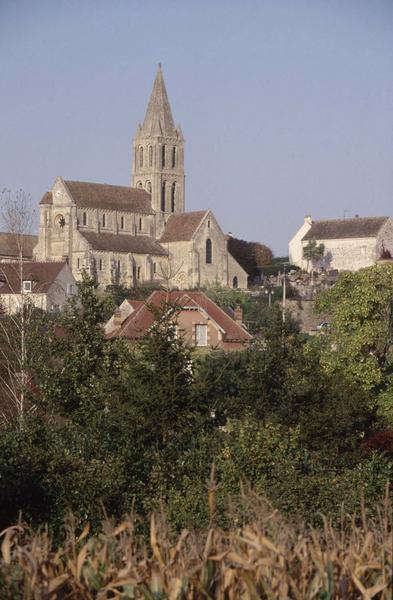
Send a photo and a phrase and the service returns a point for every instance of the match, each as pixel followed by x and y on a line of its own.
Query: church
pixel 138 234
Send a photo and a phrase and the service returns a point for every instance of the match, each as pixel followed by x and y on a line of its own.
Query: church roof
pixel 182 227
pixel 110 197
pixel 133 244
pixel 10 245
pixel 359 227
pixel 158 119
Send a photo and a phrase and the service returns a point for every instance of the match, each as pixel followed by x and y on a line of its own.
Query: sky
pixel 286 105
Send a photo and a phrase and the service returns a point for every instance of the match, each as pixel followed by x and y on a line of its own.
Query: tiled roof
pixel 110 197
pixel 42 273
pixel 134 244
pixel 10 245
pixel 359 227
pixel 137 324
pixel 47 198
pixel 181 227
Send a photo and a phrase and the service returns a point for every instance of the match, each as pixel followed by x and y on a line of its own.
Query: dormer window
pixel 27 286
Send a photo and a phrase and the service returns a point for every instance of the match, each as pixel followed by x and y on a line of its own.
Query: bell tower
pixel 158 155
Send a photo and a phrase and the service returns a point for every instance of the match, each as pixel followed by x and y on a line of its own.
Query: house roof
pixel 182 227
pixel 134 244
pixel 10 244
pixel 138 323
pixel 359 227
pixel 42 273
pixel 47 198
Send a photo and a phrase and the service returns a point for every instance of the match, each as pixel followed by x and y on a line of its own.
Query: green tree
pixel 359 341
pixel 313 253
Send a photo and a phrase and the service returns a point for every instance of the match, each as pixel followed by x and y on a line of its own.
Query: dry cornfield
pixel 263 558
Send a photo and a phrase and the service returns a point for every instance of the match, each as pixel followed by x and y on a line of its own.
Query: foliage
pixel 359 340
pixel 250 255
pixel 313 251
pixel 263 558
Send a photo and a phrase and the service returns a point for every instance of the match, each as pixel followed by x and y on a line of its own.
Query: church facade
pixel 138 234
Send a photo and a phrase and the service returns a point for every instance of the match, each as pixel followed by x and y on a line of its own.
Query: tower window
pixel 163 155
pixel 148 186
pixel 163 190
pixel 78 263
pixel 150 156
pixel 154 267
pixel 104 220
pixel 139 185
pixel 209 253
pixel 140 224
pixel 138 273
pixel 84 218
pixel 173 197
pixel 100 264
pixel 121 222
pixel 140 156
pixel 174 156
pixel 118 266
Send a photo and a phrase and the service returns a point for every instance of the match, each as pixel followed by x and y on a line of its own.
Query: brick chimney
pixel 238 315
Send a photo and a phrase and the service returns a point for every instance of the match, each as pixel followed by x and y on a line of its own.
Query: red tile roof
pixel 42 273
pixel 138 323
pixel 181 227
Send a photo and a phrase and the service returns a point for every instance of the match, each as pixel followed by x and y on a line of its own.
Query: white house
pixel 350 244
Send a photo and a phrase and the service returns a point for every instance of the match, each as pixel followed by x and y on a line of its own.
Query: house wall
pixel 295 250
pixel 346 254
pixel 186 322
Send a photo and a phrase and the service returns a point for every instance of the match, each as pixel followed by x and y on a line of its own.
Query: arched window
pixel 150 156
pixel 140 156
pixel 140 224
pixel 163 190
pixel 163 155
pixel 173 197
pixel 104 220
pixel 84 218
pixel 174 156
pixel 235 282
pixel 121 222
pixel 139 185
pixel 209 253
pixel 148 186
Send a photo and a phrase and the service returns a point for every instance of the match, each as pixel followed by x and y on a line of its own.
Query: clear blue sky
pixel 286 105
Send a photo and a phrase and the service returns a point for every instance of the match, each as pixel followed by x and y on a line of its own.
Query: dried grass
pixel 265 558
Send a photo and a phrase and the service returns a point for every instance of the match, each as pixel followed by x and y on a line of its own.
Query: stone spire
pixel 158 119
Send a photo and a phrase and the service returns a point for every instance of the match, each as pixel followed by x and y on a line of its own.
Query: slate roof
pixel 110 197
pixel 359 227
pixel 181 227
pixel 134 244
pixel 10 244
pixel 42 273
pixel 137 324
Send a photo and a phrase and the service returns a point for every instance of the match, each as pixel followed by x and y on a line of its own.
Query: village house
pixel 46 286
pixel 349 244
pixel 198 320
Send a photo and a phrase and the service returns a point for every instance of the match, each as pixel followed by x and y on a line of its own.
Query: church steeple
pixel 158 157
pixel 158 118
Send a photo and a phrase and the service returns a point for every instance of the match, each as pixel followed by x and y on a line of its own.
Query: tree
pixel 313 253
pixel 359 340
pixel 250 255
pixel 17 216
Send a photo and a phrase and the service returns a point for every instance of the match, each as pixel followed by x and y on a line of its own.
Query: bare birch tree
pixel 17 216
